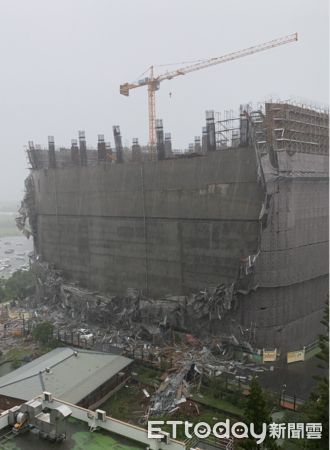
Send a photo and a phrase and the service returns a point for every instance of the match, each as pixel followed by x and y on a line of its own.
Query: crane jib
pixel 153 82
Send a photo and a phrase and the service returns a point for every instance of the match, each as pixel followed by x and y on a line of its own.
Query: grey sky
pixel 62 63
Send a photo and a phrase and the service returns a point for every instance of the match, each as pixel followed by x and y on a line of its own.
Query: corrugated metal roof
pixel 70 378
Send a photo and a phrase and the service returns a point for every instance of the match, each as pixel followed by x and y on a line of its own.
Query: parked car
pixel 85 335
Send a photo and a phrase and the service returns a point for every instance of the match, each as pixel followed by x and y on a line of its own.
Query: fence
pixel 212 441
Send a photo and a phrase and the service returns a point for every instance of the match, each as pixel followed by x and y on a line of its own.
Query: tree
pixel 317 408
pixel 18 286
pixel 256 411
pixel 43 332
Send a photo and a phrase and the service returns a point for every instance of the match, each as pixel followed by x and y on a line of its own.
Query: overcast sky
pixel 62 62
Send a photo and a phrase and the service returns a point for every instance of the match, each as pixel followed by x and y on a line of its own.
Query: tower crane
pixel 153 81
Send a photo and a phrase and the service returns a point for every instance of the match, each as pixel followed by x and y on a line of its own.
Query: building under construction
pixel 243 214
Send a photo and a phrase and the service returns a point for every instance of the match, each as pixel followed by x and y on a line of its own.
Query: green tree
pixel 256 411
pixel 218 387
pixel 43 332
pixel 18 286
pixel 317 408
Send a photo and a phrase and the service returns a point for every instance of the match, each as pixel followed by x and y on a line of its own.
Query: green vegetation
pixel 17 356
pixel 222 394
pixel 221 405
pixel 18 286
pixel 317 407
pixel 43 333
pixel 129 404
pixel 257 411
pixel 147 376
pixel 294 417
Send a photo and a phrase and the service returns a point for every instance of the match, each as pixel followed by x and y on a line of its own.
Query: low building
pixel 82 377
pixel 47 419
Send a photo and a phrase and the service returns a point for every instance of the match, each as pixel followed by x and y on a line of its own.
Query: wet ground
pixel 293 379
pixel 14 253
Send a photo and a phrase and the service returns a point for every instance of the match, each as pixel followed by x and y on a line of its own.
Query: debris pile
pixel 199 313
pixel 26 220
pixel 189 365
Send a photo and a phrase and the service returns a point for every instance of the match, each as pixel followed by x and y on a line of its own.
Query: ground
pixel 130 403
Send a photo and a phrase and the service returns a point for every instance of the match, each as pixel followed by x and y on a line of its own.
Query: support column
pixel 82 148
pixel 168 145
pixel 136 150
pixel 160 140
pixel 198 147
pixel 109 152
pixel 51 152
pixel 204 140
pixel 101 149
pixel 118 144
pixel 74 152
pixel 210 125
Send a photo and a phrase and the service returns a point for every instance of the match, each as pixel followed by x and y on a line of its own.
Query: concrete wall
pixel 175 226
pixel 284 317
pixel 165 227
pixel 294 247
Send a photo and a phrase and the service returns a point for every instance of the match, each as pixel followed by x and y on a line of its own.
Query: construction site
pixel 170 274
pixel 222 239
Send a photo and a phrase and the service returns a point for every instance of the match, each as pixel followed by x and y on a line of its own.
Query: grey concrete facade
pixel 161 227
pixel 180 225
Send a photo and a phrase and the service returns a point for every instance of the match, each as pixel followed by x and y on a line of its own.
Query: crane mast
pixel 153 82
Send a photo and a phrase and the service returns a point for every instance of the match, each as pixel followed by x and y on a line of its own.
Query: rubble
pixel 198 313
pixel 159 333
pixel 26 220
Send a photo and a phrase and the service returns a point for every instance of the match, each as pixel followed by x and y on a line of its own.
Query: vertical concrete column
pixel 51 152
pixel 244 129
pixel 136 150
pixel 210 125
pixel 82 148
pixel 197 144
pixel 118 144
pixel 74 152
pixel 101 149
pixel 168 145
pixel 204 140
pixel 108 152
pixel 160 140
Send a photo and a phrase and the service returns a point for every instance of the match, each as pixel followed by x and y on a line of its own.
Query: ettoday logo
pixel 237 430
pixel 202 430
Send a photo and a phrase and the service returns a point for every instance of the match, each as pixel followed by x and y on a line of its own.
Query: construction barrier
pixel 269 355
pixel 296 356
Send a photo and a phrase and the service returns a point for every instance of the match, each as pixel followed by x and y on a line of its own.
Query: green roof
pixel 78 437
